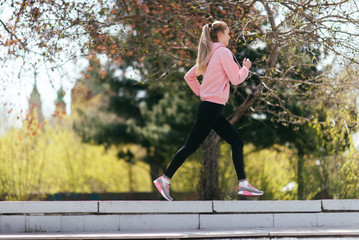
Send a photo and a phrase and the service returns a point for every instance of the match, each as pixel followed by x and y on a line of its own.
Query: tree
pixel 171 28
pixel 305 28
pixel 280 82
pixel 131 112
pixel 334 172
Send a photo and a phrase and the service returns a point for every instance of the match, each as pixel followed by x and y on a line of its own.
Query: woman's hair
pixel 209 35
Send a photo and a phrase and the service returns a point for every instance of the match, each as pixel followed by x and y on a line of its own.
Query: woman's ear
pixel 219 35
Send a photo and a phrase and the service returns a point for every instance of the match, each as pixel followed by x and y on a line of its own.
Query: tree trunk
pixel 155 170
pixel 300 179
pixel 155 165
pixel 209 187
pixel 131 178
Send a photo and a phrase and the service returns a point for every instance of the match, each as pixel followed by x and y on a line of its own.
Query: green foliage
pixel 268 169
pixel 332 168
pixel 333 176
pixel 187 177
pixel 128 111
pixel 50 158
pixel 348 176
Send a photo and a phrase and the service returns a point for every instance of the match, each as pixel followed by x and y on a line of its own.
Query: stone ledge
pixel 150 207
pixel 119 216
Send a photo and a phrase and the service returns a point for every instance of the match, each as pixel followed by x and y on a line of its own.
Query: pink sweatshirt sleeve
pixel 191 79
pixel 234 73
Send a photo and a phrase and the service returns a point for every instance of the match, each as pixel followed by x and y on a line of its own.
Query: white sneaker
pixel 245 189
pixel 163 186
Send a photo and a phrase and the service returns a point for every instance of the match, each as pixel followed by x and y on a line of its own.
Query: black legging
pixel 209 117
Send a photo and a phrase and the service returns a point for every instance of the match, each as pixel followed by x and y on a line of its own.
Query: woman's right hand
pixel 247 63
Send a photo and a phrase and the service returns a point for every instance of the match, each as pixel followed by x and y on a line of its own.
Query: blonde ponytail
pixel 209 35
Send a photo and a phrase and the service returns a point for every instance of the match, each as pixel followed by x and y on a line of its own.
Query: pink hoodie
pixel 221 70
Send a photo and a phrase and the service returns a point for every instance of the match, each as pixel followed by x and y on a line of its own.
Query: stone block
pixel 295 220
pixel 73 224
pixel 22 207
pixel 266 206
pixel 43 224
pixel 338 220
pixel 230 221
pixel 155 207
pixel 102 223
pixel 156 222
pixel 12 224
pixel 341 205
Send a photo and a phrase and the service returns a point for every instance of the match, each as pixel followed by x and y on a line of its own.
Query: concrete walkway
pixel 198 234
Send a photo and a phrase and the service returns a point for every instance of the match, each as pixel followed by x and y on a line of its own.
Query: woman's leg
pixel 227 132
pixel 207 116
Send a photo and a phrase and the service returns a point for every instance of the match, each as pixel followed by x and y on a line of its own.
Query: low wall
pixel 133 216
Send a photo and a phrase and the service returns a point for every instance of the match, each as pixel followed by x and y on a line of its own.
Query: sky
pixel 15 90
pixel 17 78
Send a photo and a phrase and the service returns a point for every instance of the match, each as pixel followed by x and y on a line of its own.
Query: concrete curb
pixel 142 216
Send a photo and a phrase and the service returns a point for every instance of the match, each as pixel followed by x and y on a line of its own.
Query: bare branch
pixel 12 34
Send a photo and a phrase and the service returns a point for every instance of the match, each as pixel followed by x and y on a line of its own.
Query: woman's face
pixel 223 37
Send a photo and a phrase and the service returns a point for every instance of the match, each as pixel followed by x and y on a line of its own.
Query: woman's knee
pixel 189 149
pixel 237 142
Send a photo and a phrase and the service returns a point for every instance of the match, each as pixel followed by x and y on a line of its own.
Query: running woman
pixel 215 62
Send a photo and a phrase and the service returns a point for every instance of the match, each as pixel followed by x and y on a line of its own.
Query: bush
pixel 50 158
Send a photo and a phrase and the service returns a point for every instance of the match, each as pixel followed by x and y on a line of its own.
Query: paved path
pixel 308 233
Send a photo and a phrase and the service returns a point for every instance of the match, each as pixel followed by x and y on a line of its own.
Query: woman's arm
pixel 235 74
pixel 191 79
